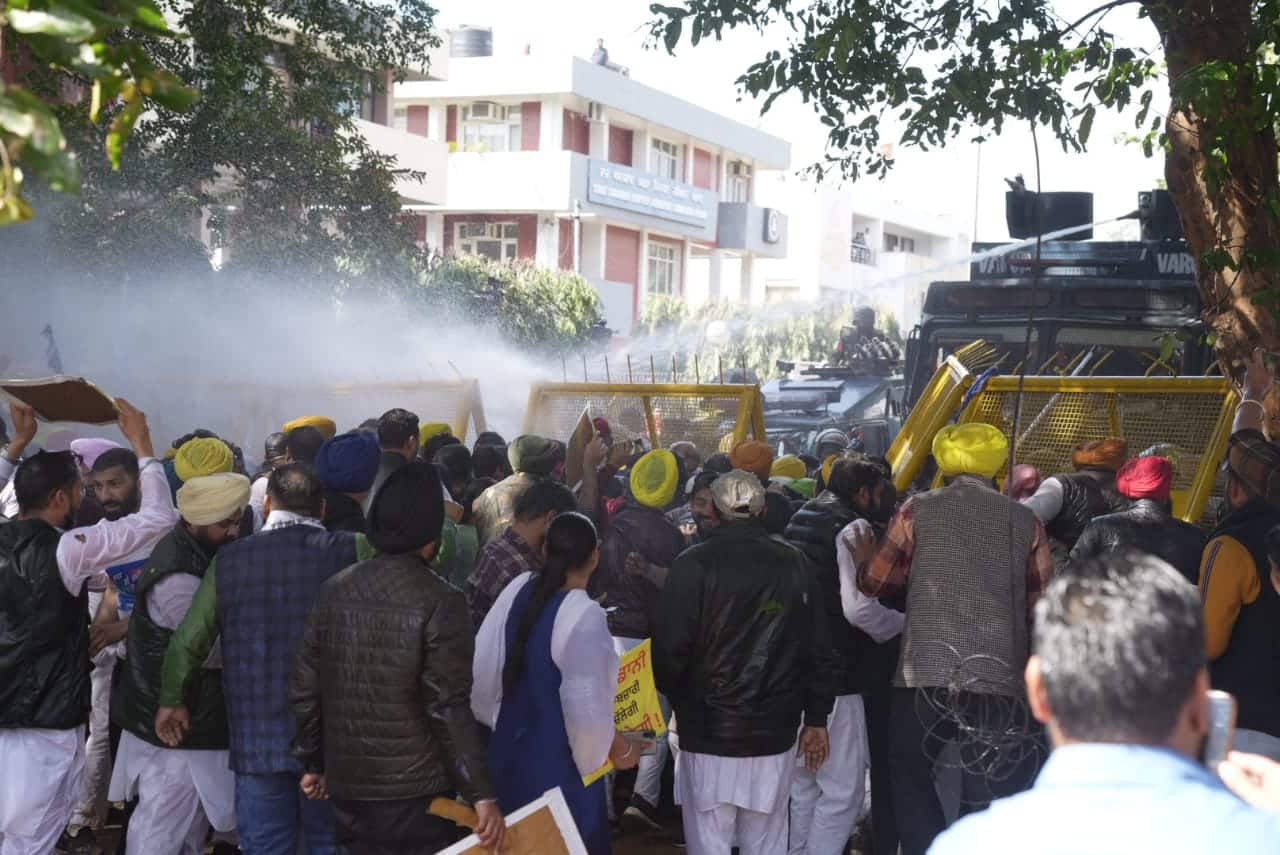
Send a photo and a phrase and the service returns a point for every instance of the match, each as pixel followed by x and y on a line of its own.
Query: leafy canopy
pixel 937 70
pixel 99 47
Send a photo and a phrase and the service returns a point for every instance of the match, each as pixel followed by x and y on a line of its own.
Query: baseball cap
pixel 738 495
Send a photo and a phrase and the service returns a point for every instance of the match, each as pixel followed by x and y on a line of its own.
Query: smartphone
pixel 1222 728
pixel 644 740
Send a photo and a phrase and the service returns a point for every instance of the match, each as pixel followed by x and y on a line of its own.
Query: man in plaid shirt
pixel 519 548
pixel 977 562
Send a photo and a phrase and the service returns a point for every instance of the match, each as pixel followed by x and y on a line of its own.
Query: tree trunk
pixel 1232 215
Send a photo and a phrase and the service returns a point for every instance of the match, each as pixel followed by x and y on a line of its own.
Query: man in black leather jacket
pixel 740 647
pixel 381 687
pixel 825 807
pixel 1148 526
pixel 1067 503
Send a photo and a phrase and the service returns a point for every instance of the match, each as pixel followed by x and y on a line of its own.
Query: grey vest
pixel 966 622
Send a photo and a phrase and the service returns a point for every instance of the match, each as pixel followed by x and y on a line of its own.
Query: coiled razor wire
pixel 996 735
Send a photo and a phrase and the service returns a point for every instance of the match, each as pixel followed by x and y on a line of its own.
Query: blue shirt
pixel 1098 799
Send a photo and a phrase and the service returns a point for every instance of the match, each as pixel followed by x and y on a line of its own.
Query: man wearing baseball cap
pixel 740 647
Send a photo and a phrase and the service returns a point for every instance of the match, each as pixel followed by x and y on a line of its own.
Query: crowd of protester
pixel 303 656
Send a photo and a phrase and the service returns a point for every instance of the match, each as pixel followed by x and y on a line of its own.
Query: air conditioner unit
pixel 486 111
pixel 738 169
pixel 595 111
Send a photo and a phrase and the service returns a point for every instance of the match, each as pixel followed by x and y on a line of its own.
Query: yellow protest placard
pixel 635 707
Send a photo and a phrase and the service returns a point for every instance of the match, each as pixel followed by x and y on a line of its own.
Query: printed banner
pixel 635 707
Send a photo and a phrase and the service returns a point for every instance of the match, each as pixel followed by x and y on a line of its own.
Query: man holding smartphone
pixel 1120 680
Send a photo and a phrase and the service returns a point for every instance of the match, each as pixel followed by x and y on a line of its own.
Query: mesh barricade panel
pixel 703 415
pixel 937 404
pixel 1191 414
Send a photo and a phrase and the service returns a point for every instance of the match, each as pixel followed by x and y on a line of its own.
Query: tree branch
pixel 1105 7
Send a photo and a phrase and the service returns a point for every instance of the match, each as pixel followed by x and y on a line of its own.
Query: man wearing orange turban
pixel 1067 503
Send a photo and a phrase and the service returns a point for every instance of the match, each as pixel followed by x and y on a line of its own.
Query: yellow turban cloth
pixel 789 466
pixel 431 430
pixel 654 478
pixel 970 449
pixel 326 426
pixel 827 466
pixel 209 499
pixel 204 456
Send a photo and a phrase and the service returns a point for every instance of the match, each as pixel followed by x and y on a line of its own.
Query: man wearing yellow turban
pixel 1068 502
pixel 788 466
pixel 976 561
pixel 171 807
pixel 430 430
pixel 325 425
pixel 204 456
pixel 970 449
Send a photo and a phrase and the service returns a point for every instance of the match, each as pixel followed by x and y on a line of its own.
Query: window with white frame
pixel 664 268
pixel 499 241
pixel 400 119
pixel 494 127
pixel 664 159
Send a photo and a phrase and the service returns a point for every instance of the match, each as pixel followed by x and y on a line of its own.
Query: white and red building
pixel 575 165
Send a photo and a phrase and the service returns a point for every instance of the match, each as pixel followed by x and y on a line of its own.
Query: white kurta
pixel 206 775
pixel 38 787
pixel 735 801
pixel 581 648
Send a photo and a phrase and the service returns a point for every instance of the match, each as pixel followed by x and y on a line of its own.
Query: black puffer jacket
pixel 1086 495
pixel 1145 527
pixel 740 645
pixel 44 633
pixel 813 530
pixel 381 686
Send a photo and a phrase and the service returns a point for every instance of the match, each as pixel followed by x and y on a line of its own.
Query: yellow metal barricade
pixel 937 406
pixel 706 415
pixel 1191 413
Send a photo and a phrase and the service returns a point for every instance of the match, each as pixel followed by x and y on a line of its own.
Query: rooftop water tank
pixel 467 41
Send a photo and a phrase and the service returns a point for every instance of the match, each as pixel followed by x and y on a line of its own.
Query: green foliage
pixel 269 158
pixel 96 46
pixel 531 307
pixel 936 69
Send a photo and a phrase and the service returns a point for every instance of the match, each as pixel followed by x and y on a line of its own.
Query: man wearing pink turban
pixel 89 449
pixel 1147 526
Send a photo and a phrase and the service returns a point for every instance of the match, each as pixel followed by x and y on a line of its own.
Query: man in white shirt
pixel 45 682
pixel 134 493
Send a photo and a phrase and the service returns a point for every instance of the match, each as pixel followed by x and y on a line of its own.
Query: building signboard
pixel 645 193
